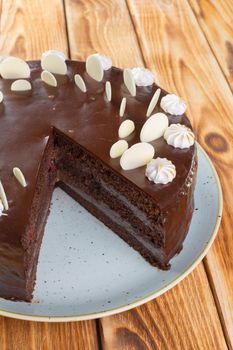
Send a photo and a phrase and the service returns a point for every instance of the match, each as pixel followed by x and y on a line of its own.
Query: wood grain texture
pixel 88 17
pixel 185 317
pixel 174 46
pixel 24 335
pixel 28 29
pixel 102 26
pixel 173 321
pixel 216 21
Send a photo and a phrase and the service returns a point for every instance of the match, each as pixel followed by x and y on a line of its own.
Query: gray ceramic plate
pixel 85 271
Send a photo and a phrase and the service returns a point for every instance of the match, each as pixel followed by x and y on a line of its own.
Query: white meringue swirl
pixel 172 104
pixel 179 136
pixel 105 61
pixel 142 76
pixel 160 171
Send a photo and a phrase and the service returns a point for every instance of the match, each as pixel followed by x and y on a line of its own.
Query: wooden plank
pixel 29 28
pixel 216 21
pixel 174 46
pixel 88 17
pixel 176 320
pixel 102 26
pixel 21 335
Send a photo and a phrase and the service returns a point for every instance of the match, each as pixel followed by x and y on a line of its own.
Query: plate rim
pixel 149 297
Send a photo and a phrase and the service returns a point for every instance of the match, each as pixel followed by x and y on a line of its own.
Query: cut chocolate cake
pixel 112 139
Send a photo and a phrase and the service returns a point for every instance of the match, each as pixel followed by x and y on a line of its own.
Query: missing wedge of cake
pixel 112 139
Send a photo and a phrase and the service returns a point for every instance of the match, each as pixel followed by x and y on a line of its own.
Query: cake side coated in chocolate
pixel 60 135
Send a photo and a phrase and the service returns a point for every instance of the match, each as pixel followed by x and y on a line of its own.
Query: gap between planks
pixel 209 44
pixel 136 34
pixel 217 304
pixel 141 51
pixel 204 262
pixel 66 29
pixel 96 322
pixel 18 334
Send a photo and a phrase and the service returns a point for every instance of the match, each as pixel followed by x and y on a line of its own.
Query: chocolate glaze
pixel 27 123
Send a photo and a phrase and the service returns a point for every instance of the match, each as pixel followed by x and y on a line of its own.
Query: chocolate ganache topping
pixel 88 103
pixel 89 118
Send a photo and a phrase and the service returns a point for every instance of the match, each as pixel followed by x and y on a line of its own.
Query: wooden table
pixel 188 44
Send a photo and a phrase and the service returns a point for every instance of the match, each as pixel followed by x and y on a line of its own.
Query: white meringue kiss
pixel 142 76
pixel 160 171
pixel 172 104
pixel 105 61
pixel 179 136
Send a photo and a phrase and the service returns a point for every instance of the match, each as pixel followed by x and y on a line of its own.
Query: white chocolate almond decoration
pixel 80 83
pixel 1 96
pixel 3 197
pixel 54 62
pixel 126 128
pixel 118 148
pixel 137 155
pixel 54 52
pixel 122 107
pixel 48 78
pixel 1 209
pixel 19 176
pixel 21 85
pixel 14 68
pixel 2 58
pixel 108 90
pixel 154 127
pixel 94 67
pixel 153 102
pixel 129 81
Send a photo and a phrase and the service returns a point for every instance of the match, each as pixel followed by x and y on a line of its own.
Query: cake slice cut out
pixel 63 138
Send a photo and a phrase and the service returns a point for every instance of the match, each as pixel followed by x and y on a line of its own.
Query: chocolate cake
pixel 62 135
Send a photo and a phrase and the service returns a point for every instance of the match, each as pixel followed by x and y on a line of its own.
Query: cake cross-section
pixel 64 131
